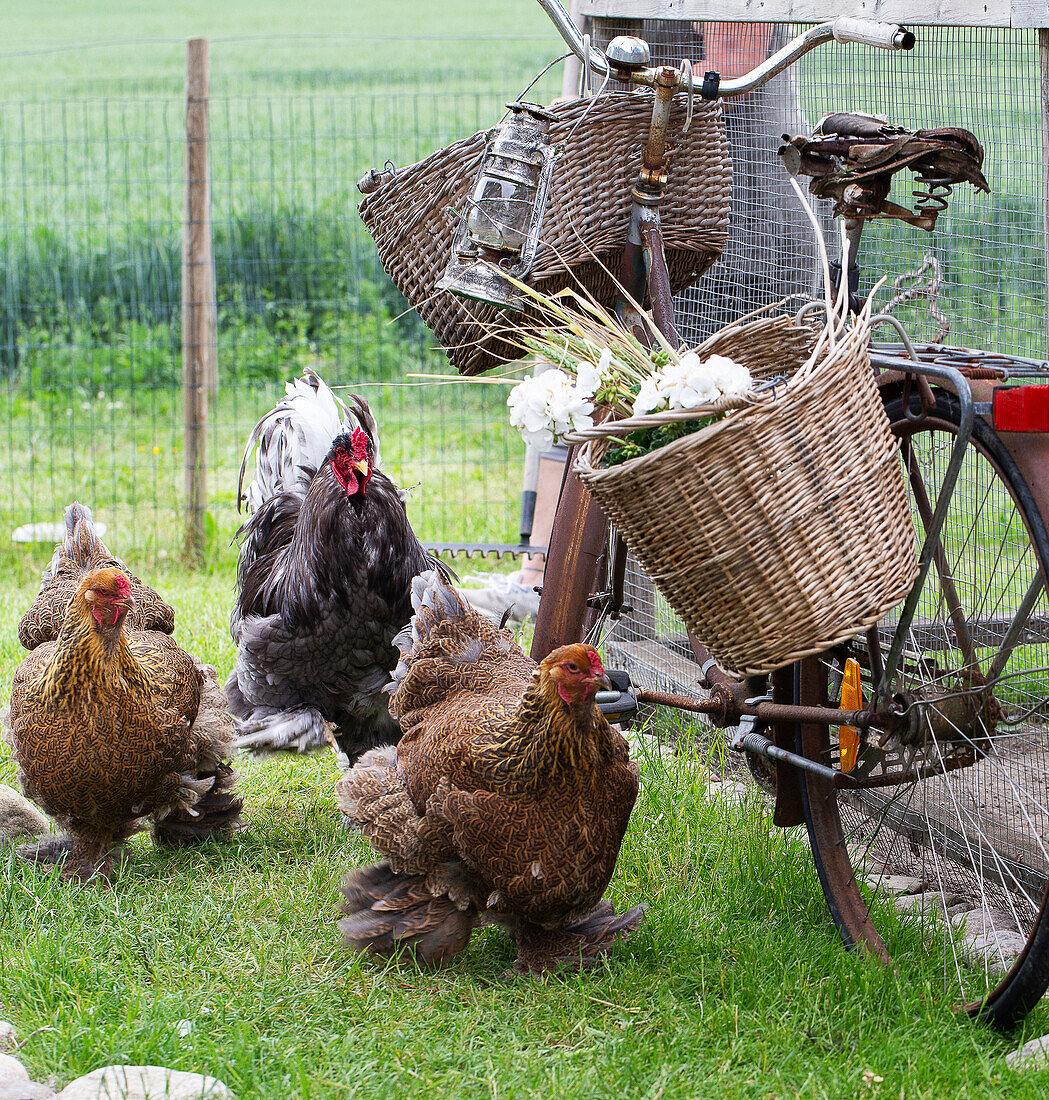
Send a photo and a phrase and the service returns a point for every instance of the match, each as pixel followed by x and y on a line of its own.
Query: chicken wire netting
pixel 91 203
pixel 989 248
pixel 90 211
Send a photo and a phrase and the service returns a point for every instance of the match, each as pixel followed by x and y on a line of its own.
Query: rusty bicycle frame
pixel 578 542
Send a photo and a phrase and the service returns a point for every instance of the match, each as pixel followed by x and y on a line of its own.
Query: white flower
pixel 184 1028
pixel 689 383
pixel 648 397
pixel 590 377
pixel 729 376
pixel 546 406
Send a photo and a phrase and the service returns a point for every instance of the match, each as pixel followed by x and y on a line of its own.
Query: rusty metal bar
pixel 765 712
pixel 658 276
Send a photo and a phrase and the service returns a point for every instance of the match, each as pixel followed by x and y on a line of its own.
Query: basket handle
pixel 614 428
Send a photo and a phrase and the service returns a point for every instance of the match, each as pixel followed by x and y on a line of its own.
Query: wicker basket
pixel 585 224
pixel 783 528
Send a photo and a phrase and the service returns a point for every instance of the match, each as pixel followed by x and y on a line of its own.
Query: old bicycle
pixel 946 714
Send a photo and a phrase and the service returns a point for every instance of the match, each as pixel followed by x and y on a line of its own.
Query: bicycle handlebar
pixel 885 36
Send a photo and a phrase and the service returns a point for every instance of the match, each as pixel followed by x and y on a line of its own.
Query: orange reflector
pixel 1020 408
pixel 851 699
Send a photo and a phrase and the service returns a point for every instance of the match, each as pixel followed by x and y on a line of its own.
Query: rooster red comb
pixel 358 444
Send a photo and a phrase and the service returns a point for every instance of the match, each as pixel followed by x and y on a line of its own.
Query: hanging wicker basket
pixel 412 217
pixel 783 528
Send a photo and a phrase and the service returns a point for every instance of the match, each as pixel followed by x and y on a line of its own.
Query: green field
pixel 303 103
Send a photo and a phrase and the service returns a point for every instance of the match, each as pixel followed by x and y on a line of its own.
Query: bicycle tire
pixel 954 833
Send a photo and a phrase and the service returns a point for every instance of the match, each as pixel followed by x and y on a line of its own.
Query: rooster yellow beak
pixel 361 467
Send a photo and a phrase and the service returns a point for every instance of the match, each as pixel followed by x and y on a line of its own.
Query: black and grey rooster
pixel 324 579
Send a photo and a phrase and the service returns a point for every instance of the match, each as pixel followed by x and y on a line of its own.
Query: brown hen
pixel 110 726
pixel 81 551
pixel 506 800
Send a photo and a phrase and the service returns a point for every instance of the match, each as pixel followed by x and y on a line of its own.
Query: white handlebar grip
pixel 886 36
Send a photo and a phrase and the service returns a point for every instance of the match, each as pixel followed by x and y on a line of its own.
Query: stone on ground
pixel 8 1036
pixel 931 901
pixel 19 818
pixel 15 1083
pixel 11 1069
pixel 728 791
pixel 24 1090
pixel 1032 1055
pixel 144 1083
pixel 895 884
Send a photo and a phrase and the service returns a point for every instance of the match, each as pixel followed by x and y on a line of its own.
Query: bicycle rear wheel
pixel 968 824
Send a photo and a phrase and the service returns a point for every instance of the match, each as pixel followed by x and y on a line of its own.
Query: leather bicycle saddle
pixel 852 157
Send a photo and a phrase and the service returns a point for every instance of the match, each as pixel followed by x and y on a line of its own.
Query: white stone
pixel 977 921
pixel 8 1036
pixel 19 818
pixel 998 947
pixel 12 1089
pixel 645 747
pixel 729 791
pixel 895 884
pixel 931 901
pixel 1032 1055
pixel 144 1083
pixel 11 1069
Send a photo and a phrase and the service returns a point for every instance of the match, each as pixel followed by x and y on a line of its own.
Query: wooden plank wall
pixel 958 13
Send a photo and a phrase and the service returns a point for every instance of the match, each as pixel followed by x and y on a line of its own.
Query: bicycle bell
pixel 498 233
pixel 627 54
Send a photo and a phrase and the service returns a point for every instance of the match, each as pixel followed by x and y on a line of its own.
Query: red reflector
pixel 1020 409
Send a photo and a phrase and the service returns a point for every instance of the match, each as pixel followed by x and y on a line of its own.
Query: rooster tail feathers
pixel 294 437
pixel 386 913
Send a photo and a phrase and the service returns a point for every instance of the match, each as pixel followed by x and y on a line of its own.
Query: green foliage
pixel 646 440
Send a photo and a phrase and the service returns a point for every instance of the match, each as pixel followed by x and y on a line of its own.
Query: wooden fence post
pixel 570 77
pixel 199 370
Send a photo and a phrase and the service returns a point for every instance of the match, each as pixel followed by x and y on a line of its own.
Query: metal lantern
pixel 498 234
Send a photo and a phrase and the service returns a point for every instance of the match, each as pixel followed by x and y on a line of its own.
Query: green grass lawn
pixel 736 984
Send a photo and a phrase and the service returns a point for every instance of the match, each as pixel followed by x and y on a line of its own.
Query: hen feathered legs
pixel 82 859
pixel 268 730
pixel 388 913
pixel 576 946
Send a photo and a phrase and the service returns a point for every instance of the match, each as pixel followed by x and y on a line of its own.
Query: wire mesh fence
pixel 90 300
pixel 990 248
pixel 90 209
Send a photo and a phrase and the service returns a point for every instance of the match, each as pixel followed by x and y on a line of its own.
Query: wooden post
pixel 570 79
pixel 199 371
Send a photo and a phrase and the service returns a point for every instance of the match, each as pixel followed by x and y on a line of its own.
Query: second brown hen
pixel 506 800
pixel 112 725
